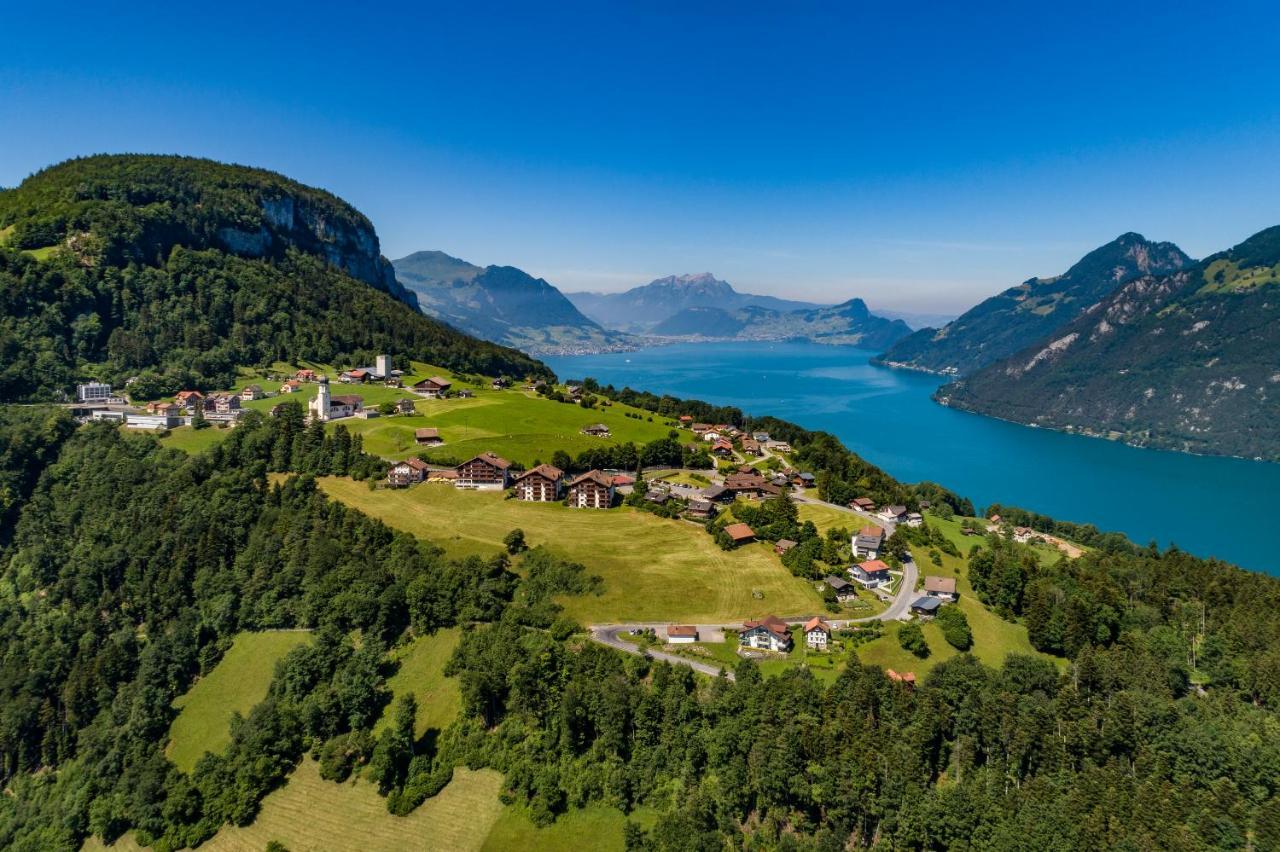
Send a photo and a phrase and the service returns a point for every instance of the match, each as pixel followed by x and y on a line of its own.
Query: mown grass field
pixel 237 683
pixel 597 828
pixel 421 672
pixel 654 569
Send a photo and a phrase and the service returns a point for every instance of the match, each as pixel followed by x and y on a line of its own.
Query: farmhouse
pixel 252 392
pixel 926 607
pixel 700 428
pixel 427 436
pixel 768 634
pixel 540 485
pixel 845 591
pixel 783 545
pixel 681 634
pixel 591 490
pixel 432 388
pixel 407 472
pixel 686 420
pixel 863 504
pixel 487 471
pixel 894 514
pixel 166 409
pixel 942 588
pixel 740 534
pixel 817 634
pixel 751 447
pixel 1023 535
pixel 780 446
pixel 701 509
pixel 749 484
pixel 722 448
pixel 762 437
pixel 596 430
pixel 188 398
pixel 867 543
pixel 291 386
pixel 871 574
pixel 907 679
pixel 717 494
pixel 306 375
pixel 405 406
pixel 915 519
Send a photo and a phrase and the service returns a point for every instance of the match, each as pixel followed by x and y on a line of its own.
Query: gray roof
pixel 929 604
pixel 838 583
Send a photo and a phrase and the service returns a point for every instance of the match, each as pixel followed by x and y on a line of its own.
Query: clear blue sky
pixel 921 160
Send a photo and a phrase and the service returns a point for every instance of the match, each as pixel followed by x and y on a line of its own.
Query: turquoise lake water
pixel 1208 506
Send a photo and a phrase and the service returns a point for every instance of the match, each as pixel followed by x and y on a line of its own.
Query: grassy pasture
pixel 237 683
pixel 421 672
pixel 654 569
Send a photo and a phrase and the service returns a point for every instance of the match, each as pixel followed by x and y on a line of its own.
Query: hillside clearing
pixel 654 569
pixel 421 672
pixel 238 682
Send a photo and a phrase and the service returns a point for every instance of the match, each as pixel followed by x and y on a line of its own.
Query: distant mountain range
pixel 1033 310
pixel 1182 360
pixel 642 308
pixel 849 324
pixel 502 304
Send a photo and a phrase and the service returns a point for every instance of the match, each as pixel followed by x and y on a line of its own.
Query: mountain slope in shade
pixel 849 324
pixel 1035 309
pixel 500 303
pixel 641 308
pixel 1186 361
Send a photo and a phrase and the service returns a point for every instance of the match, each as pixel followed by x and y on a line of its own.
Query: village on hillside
pixel 731 483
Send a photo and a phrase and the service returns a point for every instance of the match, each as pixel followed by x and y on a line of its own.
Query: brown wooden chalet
pixel 487 470
pixel 591 490
pixel 540 485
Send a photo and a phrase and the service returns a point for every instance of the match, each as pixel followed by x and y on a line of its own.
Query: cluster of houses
pixel 773 634
pixel 888 514
pixel 722 438
pixel 595 489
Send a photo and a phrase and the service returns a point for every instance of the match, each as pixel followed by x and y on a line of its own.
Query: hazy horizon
pixel 919 165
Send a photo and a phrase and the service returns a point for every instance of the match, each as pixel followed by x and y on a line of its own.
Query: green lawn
pixel 42 253
pixel 191 440
pixel 421 672
pixel 597 827
pixel 237 683
pixel 654 569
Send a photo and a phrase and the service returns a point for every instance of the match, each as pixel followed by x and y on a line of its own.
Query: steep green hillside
pixel 1185 361
pixel 502 304
pixel 179 269
pixel 1023 315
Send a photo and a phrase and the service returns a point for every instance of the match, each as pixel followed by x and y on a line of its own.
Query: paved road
pixel 609 634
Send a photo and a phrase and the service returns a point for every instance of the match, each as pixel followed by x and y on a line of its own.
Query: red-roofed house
pixel 871 574
pixel 817 634
pixel 740 533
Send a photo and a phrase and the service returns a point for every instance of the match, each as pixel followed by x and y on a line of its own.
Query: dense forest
pixel 131 567
pixel 137 276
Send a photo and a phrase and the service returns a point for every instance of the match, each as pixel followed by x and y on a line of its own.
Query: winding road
pixel 610 634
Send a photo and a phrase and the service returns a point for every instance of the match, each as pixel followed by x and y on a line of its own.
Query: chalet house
pixel 407 472
pixel 740 534
pixel 867 542
pixel 942 588
pixel 717 494
pixel 871 574
pixel 769 634
pixel 686 420
pixel 907 679
pixel 573 391
pixel 1023 535
pixel 221 403
pixel 783 545
pixel 915 519
pixel 306 375
pixel 596 430
pixel 701 509
pixel 751 447
pixel 657 495
pixel 712 435
pixel 427 436
pixel 926 607
pixel 803 480
pixel 357 376
pixel 749 485
pixel 862 504
pixel 591 490
pixel 681 634
pixel 722 448
pixel 700 428
pixel 487 471
pixel 405 406
pixel 540 485
pixel 845 591
pixel 291 386
pixel 894 514
pixel 817 634
pixel 499 384
pixel 252 392
pixel 780 446
pixel 189 399
pixel 432 388
pixel 164 409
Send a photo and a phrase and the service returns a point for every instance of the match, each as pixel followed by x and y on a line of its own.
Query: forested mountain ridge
pixel 1183 361
pixel 1031 311
pixel 502 304
pixel 177 270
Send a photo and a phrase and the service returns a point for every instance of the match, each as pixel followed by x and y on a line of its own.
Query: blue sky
pixel 921 160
